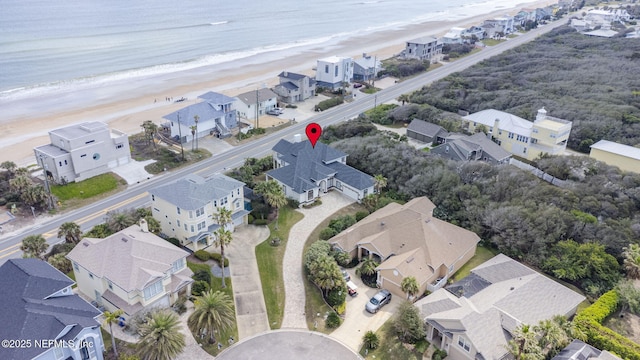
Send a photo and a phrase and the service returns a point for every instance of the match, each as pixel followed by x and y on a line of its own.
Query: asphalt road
pixel 137 196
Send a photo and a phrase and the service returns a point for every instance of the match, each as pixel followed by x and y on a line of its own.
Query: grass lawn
pixel 87 188
pixel 482 254
pixel 270 265
pixel 216 285
pixel 370 90
pixel 314 302
pixel 465 55
pixel 391 348
pixel 491 42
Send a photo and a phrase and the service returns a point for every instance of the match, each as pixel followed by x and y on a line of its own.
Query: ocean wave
pixel 219 23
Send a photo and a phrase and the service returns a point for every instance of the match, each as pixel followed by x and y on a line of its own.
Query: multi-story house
pixel 256 103
pixel 81 151
pixel 306 173
pixel 132 270
pixel 294 87
pixel 453 36
pixel 215 115
pixel 42 318
pixel 522 137
pixel 334 72
pixel 366 68
pixel 185 208
pixel 424 48
pixel 500 26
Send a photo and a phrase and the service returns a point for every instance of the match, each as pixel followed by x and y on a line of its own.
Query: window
pixel 83 155
pixel 84 351
pixel 201 226
pixel 223 201
pixel 524 151
pixel 510 135
pixel 326 69
pixel 76 267
pixel 463 343
pixel 59 354
pixel 336 72
pixel 535 131
pixel 153 198
pixel 553 136
pixel 200 212
pixel 90 276
pixel 110 285
pixel 178 223
pixel 185 227
pixel 60 163
pixel 66 163
pixel 178 210
pixel 190 214
pixel 215 203
pixel 178 265
pixel 193 229
pixel 119 146
pixel 238 192
pixel 152 290
pixel 89 142
pixel 365 192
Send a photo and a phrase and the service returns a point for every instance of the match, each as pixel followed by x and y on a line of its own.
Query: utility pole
pixel 257 106
pixel 196 118
pixel 45 170
pixel 375 69
pixel 180 133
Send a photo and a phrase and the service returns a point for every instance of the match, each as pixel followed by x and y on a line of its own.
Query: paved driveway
pixel 295 298
pixel 251 312
pixel 357 320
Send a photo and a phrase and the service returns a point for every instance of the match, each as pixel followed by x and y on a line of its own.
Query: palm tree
pixel 404 98
pixel 370 340
pixel 117 221
pixel 20 183
pixel 380 182
pixel 552 337
pixel 160 337
pixel 409 285
pixel 223 237
pixel 213 313
pixel 196 118
pixel 631 262
pixel 326 274
pixel 524 345
pixel 193 135
pixel 110 318
pixel 368 267
pixel 71 232
pixel 60 262
pixel 273 195
pixel 34 246
pixel 150 130
pixel 570 328
pixel 34 196
pixel 10 166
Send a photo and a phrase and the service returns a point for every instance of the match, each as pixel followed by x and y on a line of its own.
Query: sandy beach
pixel 24 123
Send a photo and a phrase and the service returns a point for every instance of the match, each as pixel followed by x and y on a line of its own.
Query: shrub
pixel 333 321
pixel 361 215
pixel 327 233
pixel 202 255
pixel 293 203
pixel 439 354
pixel 199 287
pixel 342 258
pixel 342 222
pixel 60 248
pixel 179 306
pixel 203 276
pixel 250 219
pixel 3 201
pixel 174 241
pixel 217 257
pixel 340 309
pixel 336 296
pixel 371 340
pixel 260 222
pixel 329 103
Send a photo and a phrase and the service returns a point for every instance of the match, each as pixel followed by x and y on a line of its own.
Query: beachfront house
pixel 186 207
pixel 214 115
pixel 498 27
pixel 306 173
pixel 545 135
pixel 255 103
pixel 81 151
pixel 334 72
pixel 475 318
pixel 132 270
pixel 366 68
pixel 424 48
pixel 294 87
pixel 626 157
pixel 453 36
pixel 406 240
pixel 478 147
pixel 44 316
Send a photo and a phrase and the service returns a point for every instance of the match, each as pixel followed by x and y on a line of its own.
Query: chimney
pixel 297 138
pixel 542 114
pixel 144 227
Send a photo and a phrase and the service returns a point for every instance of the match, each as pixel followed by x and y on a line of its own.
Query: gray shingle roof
pixel 27 313
pixel 292 76
pixel 321 152
pixel 249 97
pixel 351 176
pixel 193 192
pixel 216 98
pixel 425 128
pixel 289 85
pixel 204 111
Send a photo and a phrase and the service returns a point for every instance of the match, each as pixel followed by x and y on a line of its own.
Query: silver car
pixel 378 300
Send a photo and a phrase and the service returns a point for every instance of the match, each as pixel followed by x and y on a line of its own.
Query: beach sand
pixel 24 124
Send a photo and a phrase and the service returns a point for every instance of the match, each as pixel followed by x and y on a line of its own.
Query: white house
pixel 453 36
pixel 265 99
pixel 81 151
pixel 333 72
pixel 424 48
pixel 215 115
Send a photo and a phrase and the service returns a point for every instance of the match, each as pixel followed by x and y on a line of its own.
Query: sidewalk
pixel 294 304
pixel 251 311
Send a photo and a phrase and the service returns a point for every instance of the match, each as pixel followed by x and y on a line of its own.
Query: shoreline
pixel 125 104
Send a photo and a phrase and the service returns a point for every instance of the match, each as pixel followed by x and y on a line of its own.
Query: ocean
pixel 48 46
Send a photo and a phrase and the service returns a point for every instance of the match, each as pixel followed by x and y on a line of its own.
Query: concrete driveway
pixel 357 320
pixel 251 312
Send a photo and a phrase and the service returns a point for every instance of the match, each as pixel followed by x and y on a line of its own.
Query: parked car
pixel 357 85
pixel 382 298
pixel 274 112
pixel 346 275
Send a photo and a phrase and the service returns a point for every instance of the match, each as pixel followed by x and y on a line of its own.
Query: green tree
pixel 10 166
pixel 631 262
pixel 34 246
pixel 370 340
pixel 109 319
pixel 551 337
pixel 60 262
pixel 119 220
pixel 629 296
pixel 213 313
pixel 193 136
pixel 368 267
pixel 524 345
pixel 20 183
pixel 273 195
pixel 326 274
pixel 223 237
pixel 409 286
pixel 71 232
pixel 150 129
pixel 35 196
pixel 380 182
pixel 196 118
pixel 408 324
pixel 160 337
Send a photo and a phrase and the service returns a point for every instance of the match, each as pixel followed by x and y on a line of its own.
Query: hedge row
pixel 329 103
pixel 590 321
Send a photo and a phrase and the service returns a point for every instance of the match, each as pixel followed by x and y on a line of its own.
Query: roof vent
pixel 512 288
pixel 124 239
pixel 85 244
pixel 381 223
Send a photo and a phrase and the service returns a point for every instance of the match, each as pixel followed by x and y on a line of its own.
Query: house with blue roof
pixel 306 173
pixel 42 317
pixel 215 115
pixel 186 207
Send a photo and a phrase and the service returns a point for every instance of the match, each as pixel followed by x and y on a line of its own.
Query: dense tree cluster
pixel 588 80
pixel 516 212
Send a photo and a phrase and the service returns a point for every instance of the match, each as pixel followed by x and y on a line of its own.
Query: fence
pixel 539 173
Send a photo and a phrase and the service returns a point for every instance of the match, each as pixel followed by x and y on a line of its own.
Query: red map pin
pixel 313 131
